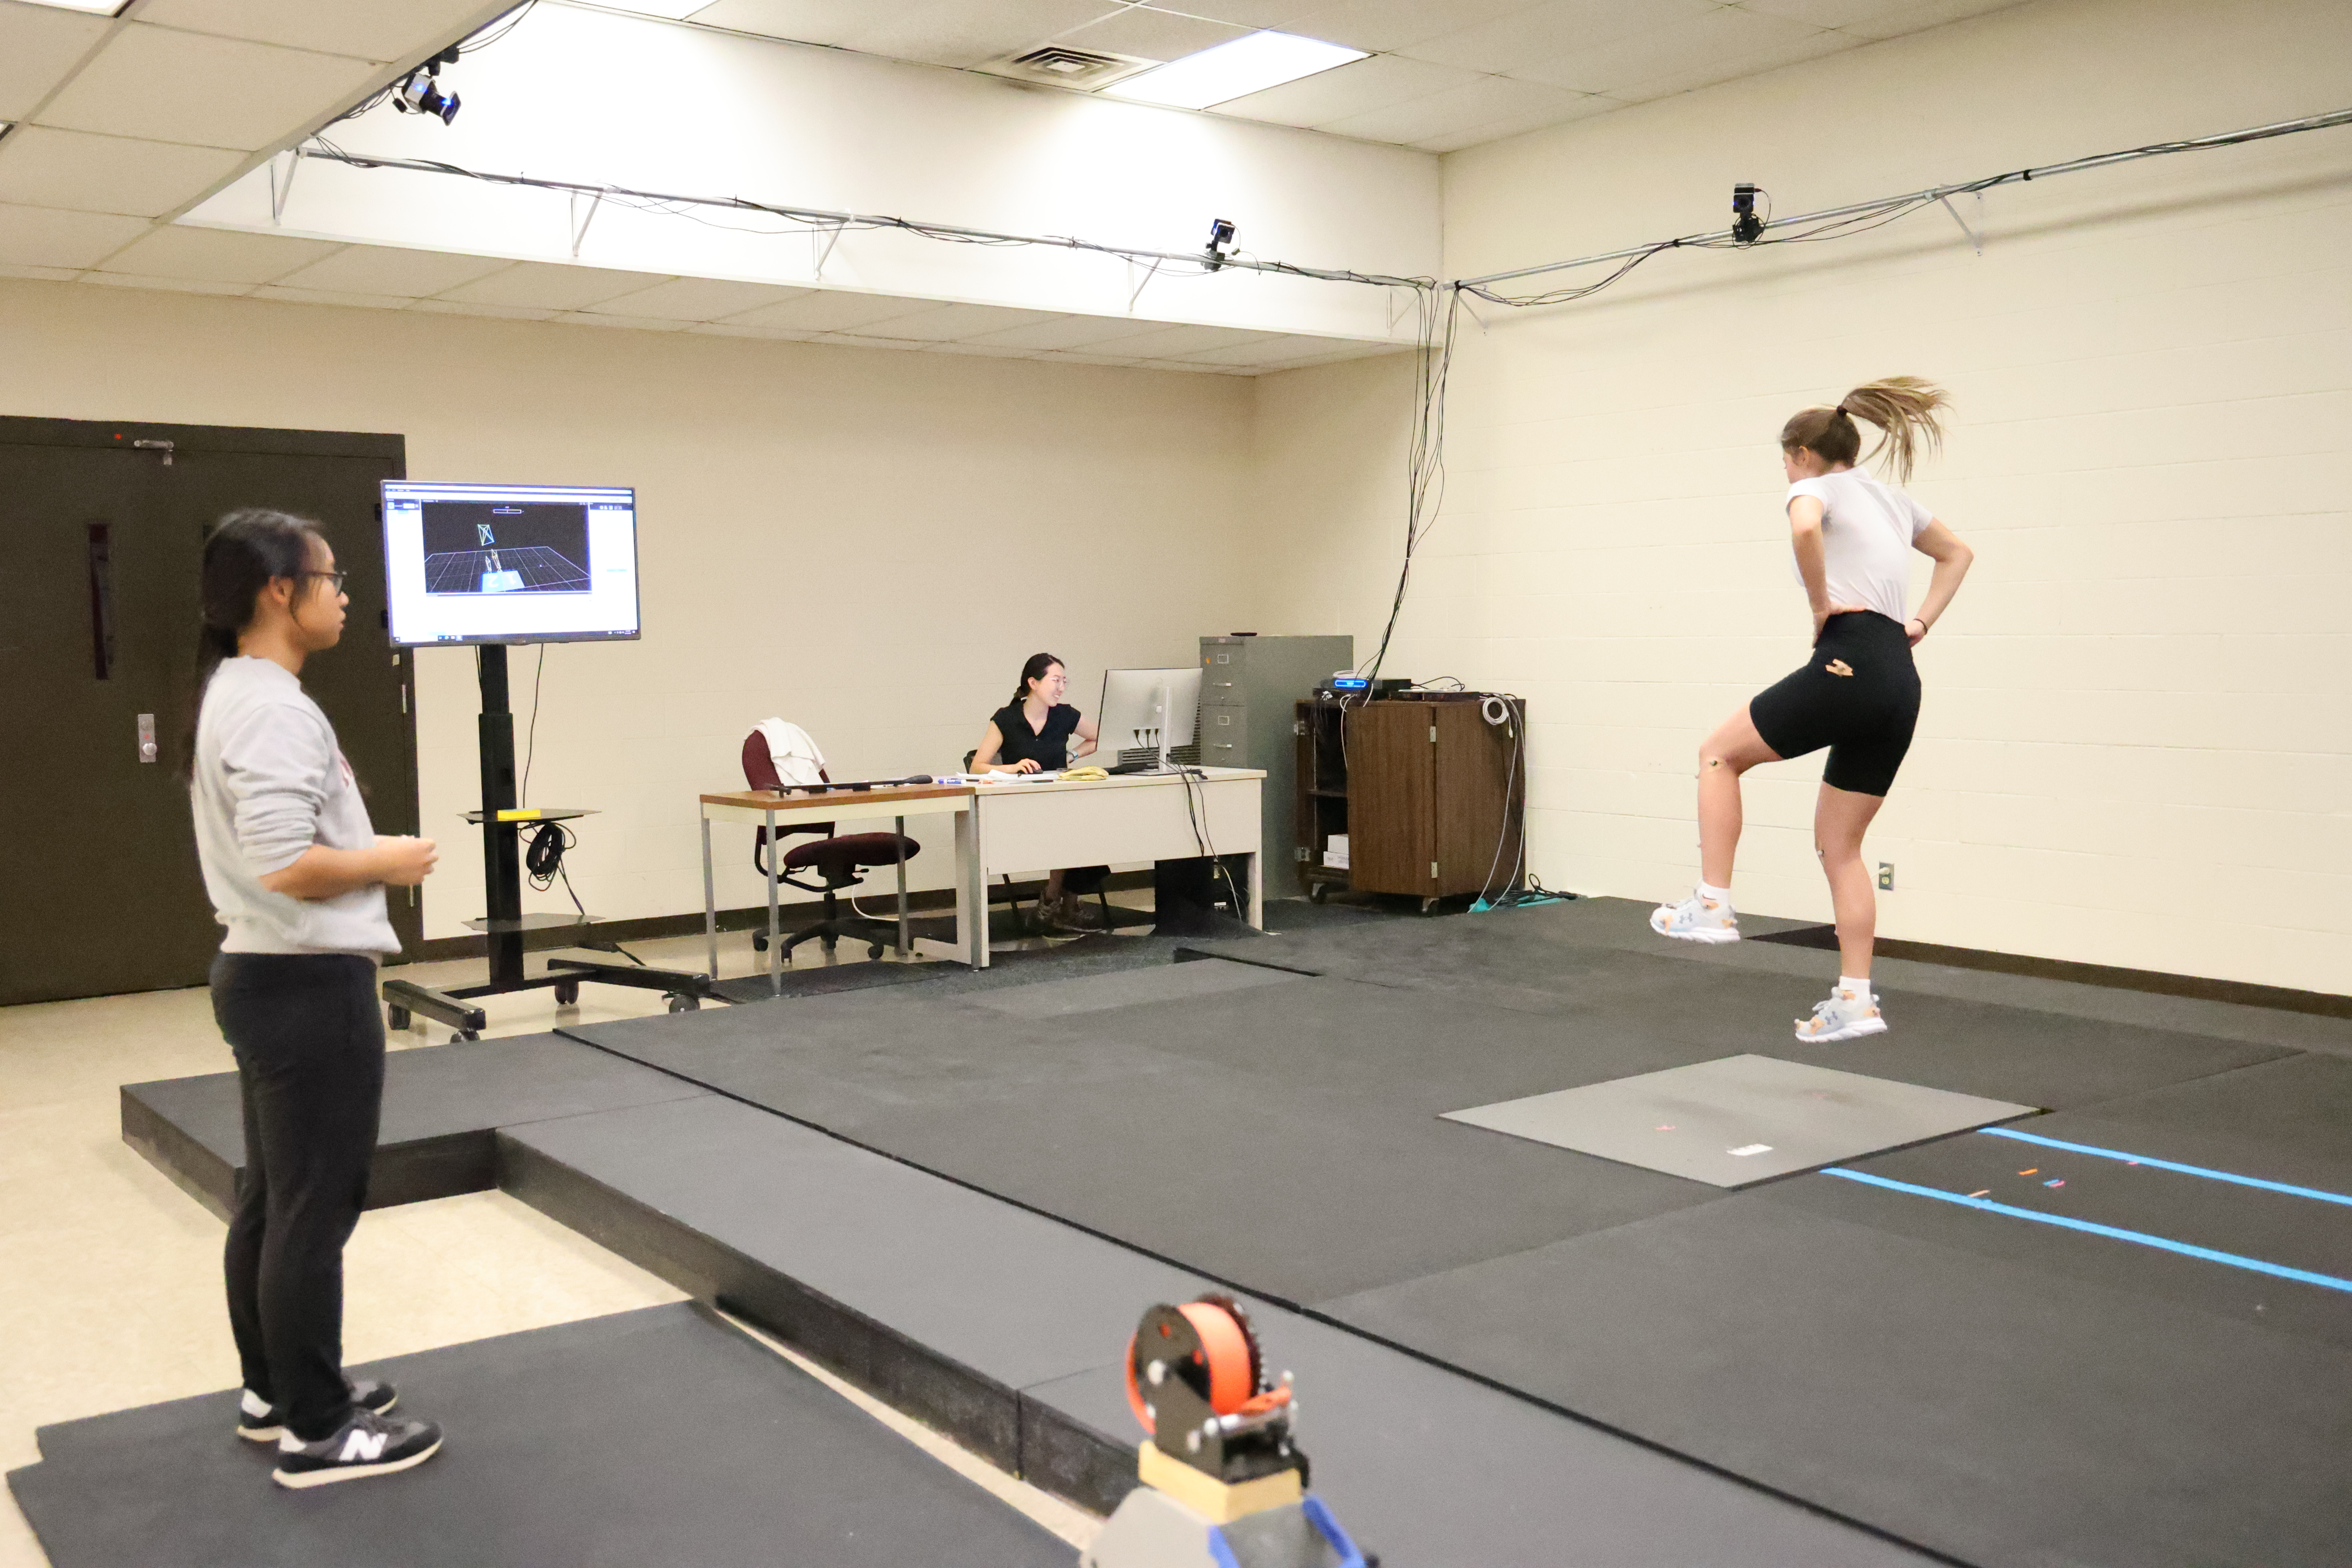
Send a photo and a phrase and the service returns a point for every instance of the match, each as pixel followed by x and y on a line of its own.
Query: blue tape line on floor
pixel 2259 1266
pixel 2154 1164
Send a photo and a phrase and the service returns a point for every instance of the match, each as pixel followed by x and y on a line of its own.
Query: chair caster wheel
pixel 464 1035
pixel 878 949
pixel 1427 905
pixel 395 1017
pixel 1318 892
pixel 679 1002
pixel 759 941
pixel 567 992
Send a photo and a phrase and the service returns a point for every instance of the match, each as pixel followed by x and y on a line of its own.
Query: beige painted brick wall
pixel 2136 745
pixel 865 542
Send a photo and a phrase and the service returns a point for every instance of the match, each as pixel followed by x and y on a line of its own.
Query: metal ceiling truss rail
pixel 1896 205
pixel 839 222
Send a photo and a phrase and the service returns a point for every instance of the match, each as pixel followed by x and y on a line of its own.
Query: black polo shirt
pixel 1050 749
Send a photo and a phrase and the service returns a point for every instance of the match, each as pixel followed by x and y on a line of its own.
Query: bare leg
pixel 1839 821
pixel 1731 751
pixel 1051 903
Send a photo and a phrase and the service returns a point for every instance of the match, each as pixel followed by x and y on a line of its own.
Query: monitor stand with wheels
pixel 506 925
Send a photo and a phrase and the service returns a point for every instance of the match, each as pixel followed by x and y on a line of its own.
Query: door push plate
pixel 146 737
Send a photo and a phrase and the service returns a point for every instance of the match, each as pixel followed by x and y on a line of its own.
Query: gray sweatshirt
pixel 270 782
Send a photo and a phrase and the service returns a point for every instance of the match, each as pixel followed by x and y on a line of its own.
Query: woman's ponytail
pixel 1904 407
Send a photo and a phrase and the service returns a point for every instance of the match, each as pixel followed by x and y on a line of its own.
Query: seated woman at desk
pixel 1031 734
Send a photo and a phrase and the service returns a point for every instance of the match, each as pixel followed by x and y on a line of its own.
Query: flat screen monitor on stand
pixel 1147 717
pixel 492 565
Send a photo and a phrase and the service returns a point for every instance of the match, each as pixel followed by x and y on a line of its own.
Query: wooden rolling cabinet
pixel 1430 795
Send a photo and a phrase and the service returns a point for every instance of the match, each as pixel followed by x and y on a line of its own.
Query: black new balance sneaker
pixel 263 1422
pixel 367 1444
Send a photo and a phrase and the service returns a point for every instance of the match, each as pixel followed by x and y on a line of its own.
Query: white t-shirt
pixel 1867 533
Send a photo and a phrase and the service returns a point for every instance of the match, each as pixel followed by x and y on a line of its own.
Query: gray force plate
pixel 1739 1121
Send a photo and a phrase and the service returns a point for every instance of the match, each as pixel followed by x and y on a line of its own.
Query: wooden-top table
pixel 896 802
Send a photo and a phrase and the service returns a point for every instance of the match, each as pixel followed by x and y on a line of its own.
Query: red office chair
pixel 837 861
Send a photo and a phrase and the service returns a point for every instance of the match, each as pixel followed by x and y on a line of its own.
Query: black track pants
pixel 308 1039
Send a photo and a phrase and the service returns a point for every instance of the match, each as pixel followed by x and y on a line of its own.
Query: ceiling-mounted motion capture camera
pixel 1747 228
pixel 420 92
pixel 1221 242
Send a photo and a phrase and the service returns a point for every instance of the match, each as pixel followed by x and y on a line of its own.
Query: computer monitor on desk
pixel 1147 716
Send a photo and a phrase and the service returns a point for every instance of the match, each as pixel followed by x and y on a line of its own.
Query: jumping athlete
pixel 1859 693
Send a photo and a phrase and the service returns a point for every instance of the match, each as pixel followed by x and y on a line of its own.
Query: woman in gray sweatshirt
pixel 297 876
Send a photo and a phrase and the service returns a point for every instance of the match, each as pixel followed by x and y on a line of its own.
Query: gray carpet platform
pixel 662 1435
pixel 1005 1329
pixel 439 1108
pixel 962 1192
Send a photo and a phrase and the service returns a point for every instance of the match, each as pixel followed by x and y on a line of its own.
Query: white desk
pixel 1004 828
pixel 1017 827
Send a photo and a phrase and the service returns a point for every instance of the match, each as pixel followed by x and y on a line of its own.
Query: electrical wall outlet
pixel 1886 875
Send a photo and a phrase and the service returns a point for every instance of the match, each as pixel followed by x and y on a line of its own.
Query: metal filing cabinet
pixel 1249 685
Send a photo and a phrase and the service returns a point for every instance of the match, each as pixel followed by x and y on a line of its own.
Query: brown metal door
pixel 97 627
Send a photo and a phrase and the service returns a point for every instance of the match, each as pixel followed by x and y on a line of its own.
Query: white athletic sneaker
pixel 1697 919
pixel 1844 1017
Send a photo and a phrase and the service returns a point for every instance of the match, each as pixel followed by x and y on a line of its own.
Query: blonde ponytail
pixel 1904 407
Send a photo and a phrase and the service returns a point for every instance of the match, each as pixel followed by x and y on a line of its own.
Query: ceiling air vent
pixel 1085 69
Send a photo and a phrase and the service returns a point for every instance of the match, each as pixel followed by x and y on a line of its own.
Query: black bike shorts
pixel 1858 695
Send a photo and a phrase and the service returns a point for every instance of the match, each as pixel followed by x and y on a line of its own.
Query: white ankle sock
pixel 252 1404
pixel 1849 985
pixel 1720 895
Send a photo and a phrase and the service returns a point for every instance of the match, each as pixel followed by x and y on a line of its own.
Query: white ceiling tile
pixel 805 21
pixel 852 341
pixel 958 33
pixel 1266 350
pixel 46 274
pixel 1352 88
pixel 203 90
pixel 382 270
pixel 366 29
pixel 45 168
pixel 217 256
pixel 1251 13
pixel 1580 106
pixel 1552 30
pixel 1811 46
pixel 465 308
pixel 1192 365
pixel 45 236
pixel 1832 13
pixel 174 284
pixel 730 329
pixel 1477 103
pixel 333 297
pixel 954 323
pixel 1148 33
pixel 981 350
pixel 641 323
pixel 1087 359
pixel 1068 333
pixel 1171 342
pixel 832 311
pixel 1720 36
pixel 550 286
pixel 1382 25
pixel 37 48
pixel 1918 18
pixel 696 300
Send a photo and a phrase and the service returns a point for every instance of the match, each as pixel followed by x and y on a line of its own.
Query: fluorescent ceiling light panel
pixel 95 7
pixel 1236 68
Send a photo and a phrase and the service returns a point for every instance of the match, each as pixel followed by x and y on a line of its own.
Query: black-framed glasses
pixel 334 577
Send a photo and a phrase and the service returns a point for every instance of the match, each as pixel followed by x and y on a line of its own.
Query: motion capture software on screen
pixel 509 563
